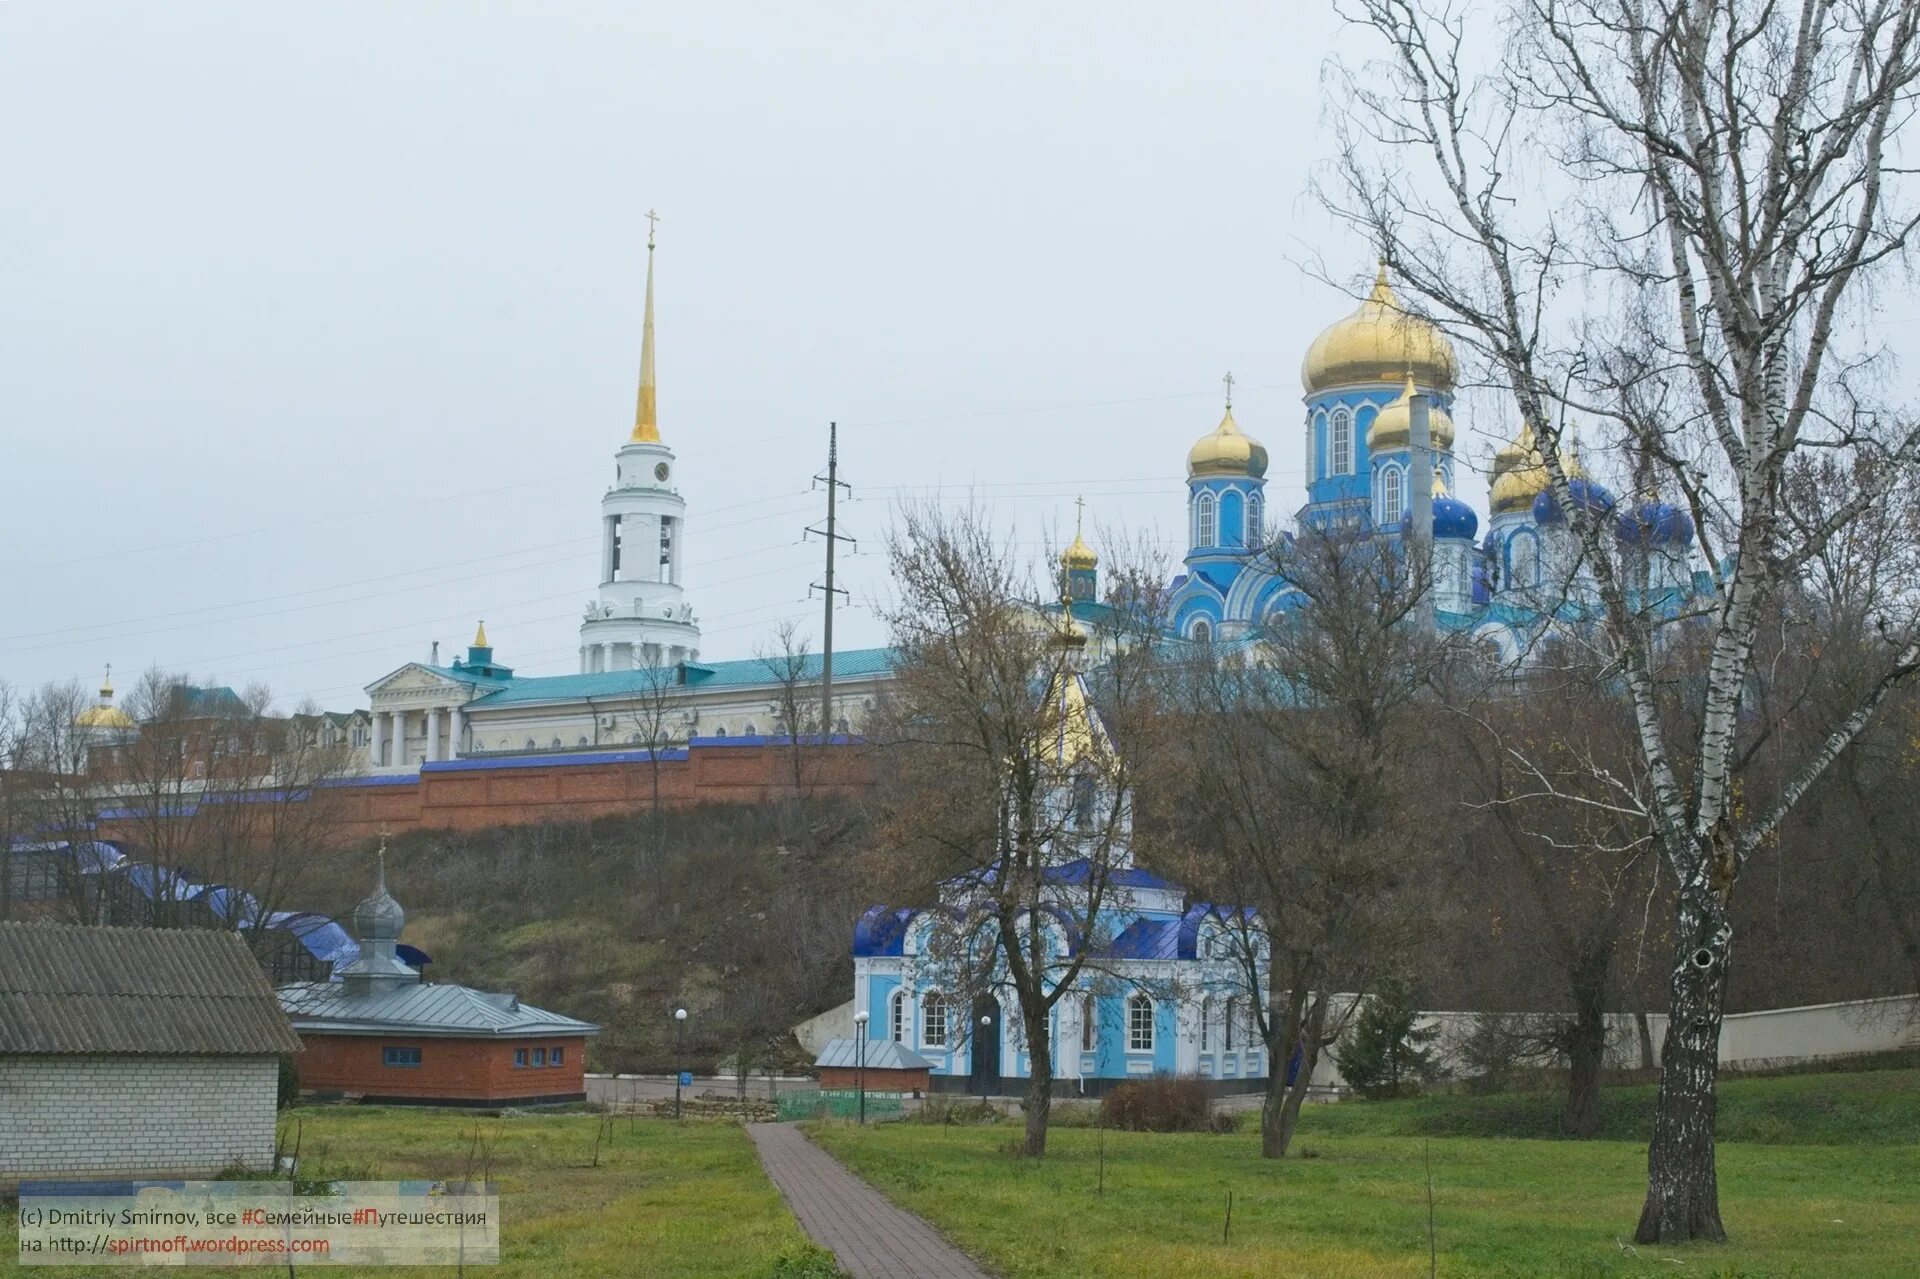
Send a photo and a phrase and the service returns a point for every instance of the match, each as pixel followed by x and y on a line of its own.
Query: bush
pixel 1388 1055
pixel 1159 1105
pixel 804 1261
pixel 1073 1114
pixel 956 1110
pixel 1226 1121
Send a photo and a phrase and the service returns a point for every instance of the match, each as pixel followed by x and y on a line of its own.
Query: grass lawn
pixel 1825 1183
pixel 667 1201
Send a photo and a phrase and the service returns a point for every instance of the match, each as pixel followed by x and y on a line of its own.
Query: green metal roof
pixel 751 672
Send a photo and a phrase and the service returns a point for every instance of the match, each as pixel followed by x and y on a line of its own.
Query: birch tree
pixel 1666 218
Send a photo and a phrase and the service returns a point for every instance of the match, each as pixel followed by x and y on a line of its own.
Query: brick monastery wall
pixel 478 794
pixel 135 1117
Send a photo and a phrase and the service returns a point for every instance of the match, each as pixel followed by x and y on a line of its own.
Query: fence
pixel 839 1103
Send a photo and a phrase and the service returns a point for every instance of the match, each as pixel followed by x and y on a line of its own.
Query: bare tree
pixel 658 713
pixel 1299 775
pixel 56 763
pixel 1011 797
pixel 1663 216
pixel 796 711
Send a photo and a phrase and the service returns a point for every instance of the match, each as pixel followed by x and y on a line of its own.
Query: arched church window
pixel 1341 446
pixel 1204 530
pixel 1139 1024
pixel 1523 556
pixel 897 1017
pixel 1256 521
pixel 1206 1025
pixel 1227 1022
pixel 555 744
pixel 750 729
pixel 1083 797
pixel 933 1011
pixel 531 745
pixel 1202 632
pixel 583 741
pixel 1089 1025
pixel 1392 497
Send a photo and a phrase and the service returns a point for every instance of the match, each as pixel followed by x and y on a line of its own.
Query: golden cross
pixel 652 220
pixel 1228 379
pixel 1079 510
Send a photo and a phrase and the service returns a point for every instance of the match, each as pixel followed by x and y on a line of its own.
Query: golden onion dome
pixel 1520 473
pixel 1380 342
pixel 104 714
pixel 1393 426
pixel 1227 450
pixel 1078 554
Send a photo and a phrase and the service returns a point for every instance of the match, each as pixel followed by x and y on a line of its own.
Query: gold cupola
pixel 1078 554
pixel 1520 473
pixel 1227 450
pixel 104 714
pixel 1380 342
pixel 1393 426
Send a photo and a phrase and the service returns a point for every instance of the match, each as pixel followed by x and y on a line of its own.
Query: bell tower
pixel 640 617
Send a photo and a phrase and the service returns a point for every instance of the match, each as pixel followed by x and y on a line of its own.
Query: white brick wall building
pixel 135 1053
pixel 78 1117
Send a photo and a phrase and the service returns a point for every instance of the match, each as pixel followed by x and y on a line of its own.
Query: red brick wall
pixel 877 1080
pixel 533 792
pixel 455 1069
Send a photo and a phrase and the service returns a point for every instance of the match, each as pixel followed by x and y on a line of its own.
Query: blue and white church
pixel 1157 991
pixel 1506 588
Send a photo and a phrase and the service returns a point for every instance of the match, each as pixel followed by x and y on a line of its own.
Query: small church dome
pixel 379 917
pixel 1653 524
pixel 1079 555
pixel 1519 473
pixel 1380 342
pixel 1590 495
pixel 1227 450
pixel 1452 518
pixel 1393 426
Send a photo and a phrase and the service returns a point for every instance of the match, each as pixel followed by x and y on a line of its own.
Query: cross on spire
pixel 1228 379
pixel 1079 512
pixel 653 220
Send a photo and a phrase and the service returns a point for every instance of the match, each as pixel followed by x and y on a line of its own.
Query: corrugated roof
pixel 748 672
pixel 431 1010
pixel 70 988
pixel 882 1054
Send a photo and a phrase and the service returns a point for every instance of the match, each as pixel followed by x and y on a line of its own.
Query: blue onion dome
pixel 1591 496
pixel 1452 518
pixel 1653 524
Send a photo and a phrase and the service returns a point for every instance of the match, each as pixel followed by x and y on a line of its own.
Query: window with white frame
pixel 1341 445
pixel 1227 1023
pixel 1139 1024
pixel 1206 1025
pixel 933 1009
pixel 897 1017
pixel 1204 529
pixel 1089 1025
pixel 1202 633
pixel 1256 522
pixel 1392 496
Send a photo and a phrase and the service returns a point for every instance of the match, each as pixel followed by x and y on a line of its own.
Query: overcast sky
pixel 319 323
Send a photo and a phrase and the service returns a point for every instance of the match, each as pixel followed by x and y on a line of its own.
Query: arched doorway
pixel 985 1031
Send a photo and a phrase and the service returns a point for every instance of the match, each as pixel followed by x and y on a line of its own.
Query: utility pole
pixel 833 536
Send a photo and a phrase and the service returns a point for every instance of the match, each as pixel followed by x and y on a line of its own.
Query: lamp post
pixel 860 1048
pixel 986 1020
pixel 679 1055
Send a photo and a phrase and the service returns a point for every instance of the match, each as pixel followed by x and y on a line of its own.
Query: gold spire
pixel 480 635
pixel 646 418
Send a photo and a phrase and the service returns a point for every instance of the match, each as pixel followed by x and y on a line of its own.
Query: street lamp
pixel 860 1047
pixel 679 1055
pixel 986 1020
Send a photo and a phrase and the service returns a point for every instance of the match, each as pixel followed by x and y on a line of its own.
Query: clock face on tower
pixel 660 471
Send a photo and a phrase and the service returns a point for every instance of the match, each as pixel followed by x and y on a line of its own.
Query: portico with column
pixel 419 711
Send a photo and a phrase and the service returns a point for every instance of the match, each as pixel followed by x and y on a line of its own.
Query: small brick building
pixel 134 1053
pixel 888 1067
pixel 380 1033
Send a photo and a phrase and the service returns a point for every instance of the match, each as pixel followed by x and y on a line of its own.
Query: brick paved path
pixel 872 1238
